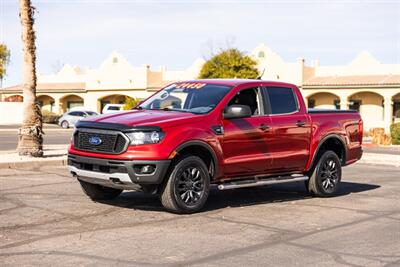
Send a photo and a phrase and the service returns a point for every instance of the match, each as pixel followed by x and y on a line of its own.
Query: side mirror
pixel 237 111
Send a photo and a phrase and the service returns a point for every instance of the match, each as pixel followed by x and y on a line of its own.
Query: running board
pixel 268 181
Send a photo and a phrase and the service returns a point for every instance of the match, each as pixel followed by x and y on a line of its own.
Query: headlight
pixel 141 138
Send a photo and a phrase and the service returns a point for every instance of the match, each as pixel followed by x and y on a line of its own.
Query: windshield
pixel 192 97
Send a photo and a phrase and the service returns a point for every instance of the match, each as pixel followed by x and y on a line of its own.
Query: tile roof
pixel 354 80
pixel 49 86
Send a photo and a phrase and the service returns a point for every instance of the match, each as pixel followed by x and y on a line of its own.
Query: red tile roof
pixel 354 80
pixel 49 86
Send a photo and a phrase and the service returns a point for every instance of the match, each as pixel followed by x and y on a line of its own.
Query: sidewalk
pixel 54 155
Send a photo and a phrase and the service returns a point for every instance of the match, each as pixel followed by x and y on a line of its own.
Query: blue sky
pixel 175 33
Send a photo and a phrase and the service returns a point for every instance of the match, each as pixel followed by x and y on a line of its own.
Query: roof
pixel 354 80
pixel 48 86
pixel 235 82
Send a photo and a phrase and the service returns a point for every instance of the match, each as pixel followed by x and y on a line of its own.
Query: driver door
pixel 245 141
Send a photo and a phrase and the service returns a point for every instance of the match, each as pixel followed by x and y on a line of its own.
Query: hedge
pixel 395 133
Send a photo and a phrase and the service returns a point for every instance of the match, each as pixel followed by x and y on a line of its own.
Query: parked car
pixel 230 133
pixel 112 108
pixel 69 119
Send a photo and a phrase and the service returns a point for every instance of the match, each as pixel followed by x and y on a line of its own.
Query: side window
pixel 249 97
pixel 282 100
pixel 77 113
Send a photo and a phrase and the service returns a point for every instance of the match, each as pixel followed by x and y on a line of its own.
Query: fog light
pixel 146 169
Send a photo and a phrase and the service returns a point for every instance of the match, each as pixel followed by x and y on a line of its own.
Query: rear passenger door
pixel 290 142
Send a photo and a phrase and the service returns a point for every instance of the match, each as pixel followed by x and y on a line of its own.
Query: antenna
pixel 259 76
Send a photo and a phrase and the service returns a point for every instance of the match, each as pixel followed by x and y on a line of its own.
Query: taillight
pixel 360 130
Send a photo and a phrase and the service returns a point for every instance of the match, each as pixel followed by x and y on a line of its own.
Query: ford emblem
pixel 95 140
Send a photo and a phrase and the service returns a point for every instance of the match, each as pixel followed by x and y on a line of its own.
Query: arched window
pixel 261 54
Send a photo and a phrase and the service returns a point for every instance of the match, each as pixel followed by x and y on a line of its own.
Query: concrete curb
pixel 32 164
pixel 380 159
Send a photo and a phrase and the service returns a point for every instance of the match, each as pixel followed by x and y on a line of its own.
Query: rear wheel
pixel 325 178
pixel 187 187
pixel 98 192
pixel 65 124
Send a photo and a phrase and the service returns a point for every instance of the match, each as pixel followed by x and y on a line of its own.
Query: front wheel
pixel 187 187
pixel 325 179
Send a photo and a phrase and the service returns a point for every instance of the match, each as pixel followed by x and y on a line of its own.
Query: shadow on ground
pixel 237 197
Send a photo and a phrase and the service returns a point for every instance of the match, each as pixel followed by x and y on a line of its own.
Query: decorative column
pixel 344 104
pixel 57 109
pixel 387 113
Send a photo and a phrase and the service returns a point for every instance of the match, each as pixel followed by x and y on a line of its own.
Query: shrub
pixel 130 103
pixel 395 133
pixel 49 117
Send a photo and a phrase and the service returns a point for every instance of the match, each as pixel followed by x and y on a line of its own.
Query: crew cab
pixel 229 133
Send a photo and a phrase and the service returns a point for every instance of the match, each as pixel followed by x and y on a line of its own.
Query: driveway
pixel 46 220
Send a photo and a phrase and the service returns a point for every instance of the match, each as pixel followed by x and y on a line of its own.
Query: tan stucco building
pixel 364 84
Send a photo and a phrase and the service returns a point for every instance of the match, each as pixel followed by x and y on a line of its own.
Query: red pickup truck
pixel 229 133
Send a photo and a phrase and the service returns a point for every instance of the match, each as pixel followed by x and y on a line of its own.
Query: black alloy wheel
pixel 326 176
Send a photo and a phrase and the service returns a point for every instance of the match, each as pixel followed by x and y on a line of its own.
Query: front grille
pixel 111 142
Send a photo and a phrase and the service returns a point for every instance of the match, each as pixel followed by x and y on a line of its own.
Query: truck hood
pixel 159 118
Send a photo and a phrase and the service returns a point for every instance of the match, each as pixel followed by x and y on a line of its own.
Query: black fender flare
pixel 323 140
pixel 207 147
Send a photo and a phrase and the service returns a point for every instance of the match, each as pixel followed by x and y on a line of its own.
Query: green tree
pixel 130 103
pixel 4 59
pixel 230 63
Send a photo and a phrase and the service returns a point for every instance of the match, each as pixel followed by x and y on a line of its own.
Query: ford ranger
pixel 235 133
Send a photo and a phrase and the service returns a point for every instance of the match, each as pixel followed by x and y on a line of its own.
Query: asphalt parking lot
pixel 46 220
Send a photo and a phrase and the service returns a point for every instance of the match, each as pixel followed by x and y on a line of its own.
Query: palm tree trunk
pixel 30 134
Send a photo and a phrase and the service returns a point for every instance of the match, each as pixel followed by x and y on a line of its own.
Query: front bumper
pixel 123 174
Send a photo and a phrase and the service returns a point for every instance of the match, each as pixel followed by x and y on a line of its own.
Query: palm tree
pixel 31 133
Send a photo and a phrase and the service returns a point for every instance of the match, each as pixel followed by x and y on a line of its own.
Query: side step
pixel 267 181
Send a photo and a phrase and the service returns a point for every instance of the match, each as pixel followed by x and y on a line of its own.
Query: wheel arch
pixel 332 142
pixel 204 151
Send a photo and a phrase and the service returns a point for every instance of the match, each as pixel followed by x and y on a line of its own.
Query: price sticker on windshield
pixel 191 85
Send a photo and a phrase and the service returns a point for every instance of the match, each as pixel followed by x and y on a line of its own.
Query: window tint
pixel 282 100
pixel 113 108
pixel 77 113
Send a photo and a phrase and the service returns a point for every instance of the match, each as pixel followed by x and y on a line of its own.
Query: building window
pixel 261 54
pixel 355 105
pixel 336 103
pixel 72 104
pixel 311 103
pixel 115 60
pixel 396 110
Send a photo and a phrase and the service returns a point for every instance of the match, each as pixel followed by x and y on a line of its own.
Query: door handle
pixel 300 123
pixel 264 127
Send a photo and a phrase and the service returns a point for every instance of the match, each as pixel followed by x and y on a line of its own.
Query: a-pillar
pixel 387 113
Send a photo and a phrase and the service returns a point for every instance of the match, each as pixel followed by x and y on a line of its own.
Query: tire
pixel 187 186
pixel 98 192
pixel 65 124
pixel 326 176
